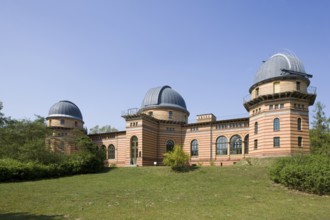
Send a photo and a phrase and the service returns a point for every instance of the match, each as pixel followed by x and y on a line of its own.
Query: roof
pixel 163 96
pixel 65 109
pixel 279 65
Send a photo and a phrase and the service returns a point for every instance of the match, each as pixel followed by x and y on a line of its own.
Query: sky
pixel 104 55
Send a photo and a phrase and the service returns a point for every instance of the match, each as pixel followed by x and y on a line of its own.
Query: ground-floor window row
pixel 109 152
pixel 223 146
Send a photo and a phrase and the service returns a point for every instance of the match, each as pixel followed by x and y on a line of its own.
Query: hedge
pixel 305 173
pixel 13 170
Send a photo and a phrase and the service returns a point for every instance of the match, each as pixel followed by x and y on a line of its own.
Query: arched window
pixel 299 124
pixel 134 149
pixel 236 144
pixel 111 152
pixel 194 148
pixel 256 128
pixel 276 124
pixel 246 144
pixel 222 146
pixel 169 145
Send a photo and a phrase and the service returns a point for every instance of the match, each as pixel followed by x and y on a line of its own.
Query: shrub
pixel 177 159
pixel 305 173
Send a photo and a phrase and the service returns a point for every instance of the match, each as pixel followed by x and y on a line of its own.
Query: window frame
pixel 276 142
pixel 276 124
pixel 194 148
pixel 299 127
pixel 222 146
pixel 111 152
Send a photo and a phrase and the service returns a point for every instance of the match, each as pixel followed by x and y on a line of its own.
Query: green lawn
pixel 236 192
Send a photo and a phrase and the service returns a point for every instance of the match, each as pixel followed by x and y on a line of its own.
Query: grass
pixel 236 192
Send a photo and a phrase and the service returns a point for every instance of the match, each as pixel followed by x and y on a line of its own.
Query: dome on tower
pixel 65 109
pixel 280 65
pixel 163 96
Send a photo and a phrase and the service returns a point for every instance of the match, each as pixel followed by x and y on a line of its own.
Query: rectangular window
pixel 170 115
pixel 276 87
pixel 62 121
pixel 257 92
pixel 299 141
pixel 256 144
pixel 276 142
pixel 282 105
pixel 270 107
pixel 298 86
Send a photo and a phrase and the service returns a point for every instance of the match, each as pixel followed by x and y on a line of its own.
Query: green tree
pixel 319 134
pixel 3 119
pixel 177 159
pixel 24 140
pixel 105 129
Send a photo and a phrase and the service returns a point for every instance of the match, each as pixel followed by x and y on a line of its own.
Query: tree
pixel 105 129
pixel 24 140
pixel 3 119
pixel 319 134
pixel 177 159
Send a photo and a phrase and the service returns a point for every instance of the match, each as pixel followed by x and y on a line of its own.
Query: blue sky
pixel 105 55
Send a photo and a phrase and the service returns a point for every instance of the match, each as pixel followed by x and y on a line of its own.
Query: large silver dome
pixel 163 96
pixel 274 67
pixel 65 109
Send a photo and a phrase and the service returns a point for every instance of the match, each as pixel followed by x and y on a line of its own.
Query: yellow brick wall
pixel 285 85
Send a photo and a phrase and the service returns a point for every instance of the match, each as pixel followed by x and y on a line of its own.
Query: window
pixel 62 145
pixel 236 145
pixel 299 141
pixel 169 145
pixel 246 144
pixel 256 128
pixel 62 121
pixel 170 114
pixel 134 150
pixel 222 146
pixel 257 91
pixel 270 107
pixel 298 86
pixel 150 113
pixel 256 144
pixel 276 142
pixel 75 123
pixel 282 105
pixel 194 148
pixel 276 87
pixel 112 152
pixel 299 124
pixel 276 124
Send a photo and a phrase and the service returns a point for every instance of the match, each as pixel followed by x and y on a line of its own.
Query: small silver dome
pixel 65 109
pixel 163 96
pixel 273 67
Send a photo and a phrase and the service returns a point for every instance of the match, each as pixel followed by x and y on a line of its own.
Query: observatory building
pixel 278 122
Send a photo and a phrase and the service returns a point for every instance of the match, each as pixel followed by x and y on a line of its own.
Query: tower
pixel 63 117
pixel 278 107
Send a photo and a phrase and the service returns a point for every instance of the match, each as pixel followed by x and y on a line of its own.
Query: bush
pixel 177 159
pixel 84 162
pixel 305 173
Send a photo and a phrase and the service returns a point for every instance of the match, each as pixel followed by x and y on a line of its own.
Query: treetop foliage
pixel 105 129
pixel 319 134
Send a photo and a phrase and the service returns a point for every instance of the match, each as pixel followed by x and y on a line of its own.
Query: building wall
pixel 163 114
pixel 68 123
pixel 284 86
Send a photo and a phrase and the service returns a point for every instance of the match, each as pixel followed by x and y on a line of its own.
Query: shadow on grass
pixel 28 216
pixel 185 169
